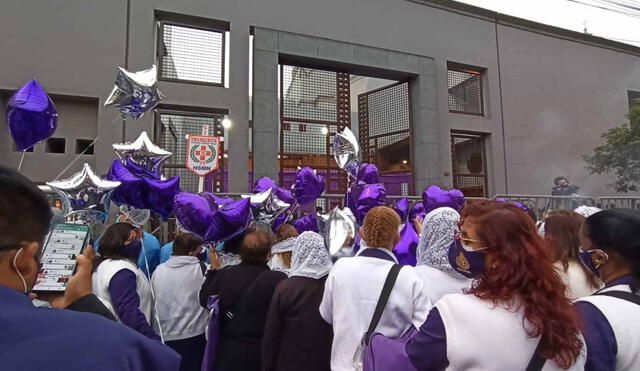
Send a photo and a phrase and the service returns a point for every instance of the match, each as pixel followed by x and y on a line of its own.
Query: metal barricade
pixel 619 202
pixel 542 204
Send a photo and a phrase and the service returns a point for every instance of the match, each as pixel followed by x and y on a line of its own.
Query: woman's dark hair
pixel 112 243
pixel 185 243
pixel 617 231
pixel 522 272
pixel 557 180
pixel 562 233
pixel 256 247
pixel 232 245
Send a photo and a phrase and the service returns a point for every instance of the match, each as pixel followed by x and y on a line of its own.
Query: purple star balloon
pixel 31 116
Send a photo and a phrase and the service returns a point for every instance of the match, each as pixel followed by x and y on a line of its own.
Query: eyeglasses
pixel 458 236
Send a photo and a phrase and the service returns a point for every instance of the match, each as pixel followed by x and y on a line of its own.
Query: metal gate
pixel 469 164
pixel 384 127
pixel 314 105
pixel 172 128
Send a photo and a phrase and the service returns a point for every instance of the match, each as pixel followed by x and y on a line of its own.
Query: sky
pixel 570 15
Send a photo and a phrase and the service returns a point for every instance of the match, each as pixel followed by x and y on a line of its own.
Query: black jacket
pixel 295 336
pixel 245 292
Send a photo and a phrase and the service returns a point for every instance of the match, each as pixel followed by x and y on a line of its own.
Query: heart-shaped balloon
pixel 402 208
pixel 372 195
pixel 435 197
pixel 308 186
pixel 405 250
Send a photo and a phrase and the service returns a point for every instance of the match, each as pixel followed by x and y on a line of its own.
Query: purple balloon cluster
pixel 31 116
pixel 142 188
pixel 210 217
pixel 308 186
pixel 365 192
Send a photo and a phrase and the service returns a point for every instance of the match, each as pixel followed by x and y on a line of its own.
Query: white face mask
pixel 24 283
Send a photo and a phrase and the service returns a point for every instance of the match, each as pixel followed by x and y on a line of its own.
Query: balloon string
pixel 76 158
pixel 21 159
pixel 153 294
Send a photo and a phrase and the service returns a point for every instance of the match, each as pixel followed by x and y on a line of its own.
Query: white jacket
pixel 105 272
pixel 438 283
pixel 176 284
pixel 350 297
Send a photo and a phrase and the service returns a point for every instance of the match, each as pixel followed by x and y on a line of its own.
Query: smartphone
pixel 58 259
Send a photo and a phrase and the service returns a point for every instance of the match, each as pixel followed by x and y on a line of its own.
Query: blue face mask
pixel 466 261
pixel 133 249
pixel 585 257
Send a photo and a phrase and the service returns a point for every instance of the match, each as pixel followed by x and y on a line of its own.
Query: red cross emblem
pixel 203 152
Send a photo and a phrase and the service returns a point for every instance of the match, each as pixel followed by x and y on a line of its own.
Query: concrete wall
pixel 73 47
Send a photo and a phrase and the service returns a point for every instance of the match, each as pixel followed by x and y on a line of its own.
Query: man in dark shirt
pixel 55 339
pixel 245 291
pixel 563 187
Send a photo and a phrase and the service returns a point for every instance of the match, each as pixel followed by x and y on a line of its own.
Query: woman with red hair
pixel 515 314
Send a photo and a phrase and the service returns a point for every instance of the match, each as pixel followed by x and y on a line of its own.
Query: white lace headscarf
pixel 276 263
pixel 310 258
pixel 439 228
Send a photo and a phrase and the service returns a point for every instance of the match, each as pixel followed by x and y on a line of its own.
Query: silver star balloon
pixel 134 93
pixel 142 152
pixel 346 151
pixel 83 192
pixel 339 229
pixel 267 206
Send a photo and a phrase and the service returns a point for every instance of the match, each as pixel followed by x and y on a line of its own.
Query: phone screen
pixel 58 261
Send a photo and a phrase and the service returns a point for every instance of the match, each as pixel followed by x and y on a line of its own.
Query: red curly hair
pixel 520 271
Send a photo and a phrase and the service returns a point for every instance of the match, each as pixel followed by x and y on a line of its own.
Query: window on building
pixel 55 145
pixel 173 128
pixel 465 89
pixel 469 166
pixel 634 98
pixel 192 49
pixel 15 148
pixel 84 146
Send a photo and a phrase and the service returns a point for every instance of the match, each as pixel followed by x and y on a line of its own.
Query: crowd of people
pixel 491 290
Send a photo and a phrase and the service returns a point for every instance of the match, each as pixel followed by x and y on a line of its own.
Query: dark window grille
pixel 312 109
pixel 384 127
pixel 173 128
pixel 633 98
pixel 55 145
pixel 191 54
pixel 465 91
pixel 84 146
pixel 469 164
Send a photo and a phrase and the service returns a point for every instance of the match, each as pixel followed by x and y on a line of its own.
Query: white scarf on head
pixel 438 233
pixel 310 257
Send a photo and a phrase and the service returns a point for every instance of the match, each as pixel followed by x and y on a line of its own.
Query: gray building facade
pixel 546 94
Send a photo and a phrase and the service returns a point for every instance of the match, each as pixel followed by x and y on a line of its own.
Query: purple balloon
pixel 31 116
pixel 306 223
pixel 142 171
pixel 368 173
pixel 435 197
pixel 405 250
pixel 143 192
pixel 266 183
pixel 308 186
pixel 417 211
pixel 372 195
pixel 228 221
pixel 193 211
pixel 402 208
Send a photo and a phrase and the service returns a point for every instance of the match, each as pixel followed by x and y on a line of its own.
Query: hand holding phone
pixel 79 284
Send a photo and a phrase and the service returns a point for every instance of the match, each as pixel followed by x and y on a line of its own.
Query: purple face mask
pixel 466 261
pixel 585 257
pixel 133 249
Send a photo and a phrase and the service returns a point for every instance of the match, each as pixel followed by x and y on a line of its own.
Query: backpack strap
pixel 624 295
pixel 382 301
pixel 203 267
pixel 537 361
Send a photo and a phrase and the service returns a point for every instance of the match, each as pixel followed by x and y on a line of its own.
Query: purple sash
pixel 213 334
